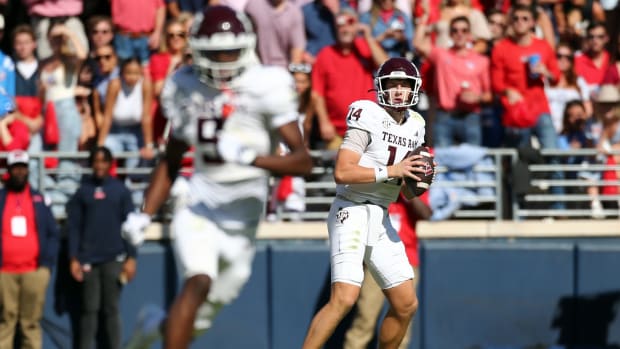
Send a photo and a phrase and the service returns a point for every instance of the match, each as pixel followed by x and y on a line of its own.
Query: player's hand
pixel 231 150
pixel 408 167
pixel 134 226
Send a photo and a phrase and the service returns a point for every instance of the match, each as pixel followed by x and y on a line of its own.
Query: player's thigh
pixel 236 257
pixel 402 297
pixel 388 262
pixel 196 244
pixel 347 225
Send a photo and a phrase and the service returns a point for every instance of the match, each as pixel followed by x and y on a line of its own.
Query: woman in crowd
pixel 163 64
pixel 127 119
pixel 568 87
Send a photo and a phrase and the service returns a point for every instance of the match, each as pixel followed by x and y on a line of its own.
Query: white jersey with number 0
pixel 261 100
pixel 389 144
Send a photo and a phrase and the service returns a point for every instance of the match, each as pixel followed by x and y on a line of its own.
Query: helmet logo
pixel 226 26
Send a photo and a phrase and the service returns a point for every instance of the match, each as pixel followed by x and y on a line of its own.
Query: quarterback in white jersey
pixel 234 112
pixel 372 161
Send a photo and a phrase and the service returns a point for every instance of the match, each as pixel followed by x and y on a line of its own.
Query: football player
pixel 370 167
pixel 233 111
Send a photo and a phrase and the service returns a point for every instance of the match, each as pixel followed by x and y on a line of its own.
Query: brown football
pixel 426 179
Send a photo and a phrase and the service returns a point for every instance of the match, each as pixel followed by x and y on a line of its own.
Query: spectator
pixel 58 80
pixel 342 74
pixel 568 87
pixel 404 6
pixel 26 83
pixel 28 249
pixel 461 77
pixel 139 26
pixel 391 27
pixel 592 63
pixel 612 76
pixel 455 8
pixel 163 64
pixel 100 31
pixel 14 134
pixel 176 7
pixel 84 100
pixel 573 16
pixel 100 259
pixel 497 27
pixel 280 31
pixel 107 70
pixel 520 64
pixel 404 215
pixel 27 94
pixel 45 12
pixel 319 24
pixel 577 134
pixel 127 117
pixel 7 72
pixel 543 27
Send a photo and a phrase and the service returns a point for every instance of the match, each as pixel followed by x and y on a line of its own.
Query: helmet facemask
pixel 398 97
pixel 206 49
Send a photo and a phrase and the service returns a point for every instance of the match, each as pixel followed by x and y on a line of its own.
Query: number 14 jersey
pixel 390 142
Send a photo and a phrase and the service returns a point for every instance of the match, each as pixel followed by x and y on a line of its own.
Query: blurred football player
pixel 233 111
pixel 370 167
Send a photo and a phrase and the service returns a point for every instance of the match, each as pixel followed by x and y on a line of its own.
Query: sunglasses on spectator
pixel 181 35
pixel 459 30
pixel 564 55
pixel 102 31
pixel 345 20
pixel 300 68
pixel 600 36
pixel 103 57
pixel 521 18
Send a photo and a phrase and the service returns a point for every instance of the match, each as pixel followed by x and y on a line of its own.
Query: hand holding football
pixel 426 179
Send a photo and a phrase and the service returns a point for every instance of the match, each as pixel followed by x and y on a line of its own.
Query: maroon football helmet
pixel 401 69
pixel 221 29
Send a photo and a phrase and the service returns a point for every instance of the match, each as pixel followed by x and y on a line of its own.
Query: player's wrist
pixel 381 174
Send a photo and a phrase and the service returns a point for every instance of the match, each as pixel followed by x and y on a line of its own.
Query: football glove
pixel 231 150
pixel 134 227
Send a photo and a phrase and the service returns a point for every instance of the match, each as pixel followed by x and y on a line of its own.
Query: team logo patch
pixel 342 215
pixel 428 169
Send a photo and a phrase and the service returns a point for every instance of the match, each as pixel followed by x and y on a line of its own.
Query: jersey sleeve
pixel 172 109
pixel 277 97
pixel 360 116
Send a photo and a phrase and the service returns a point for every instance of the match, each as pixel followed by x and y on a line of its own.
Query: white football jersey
pixel 389 144
pixel 260 101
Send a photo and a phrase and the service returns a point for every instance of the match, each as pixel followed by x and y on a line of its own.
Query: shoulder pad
pixel 416 117
pixel 364 115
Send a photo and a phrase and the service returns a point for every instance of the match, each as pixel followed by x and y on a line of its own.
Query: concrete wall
pixel 474 294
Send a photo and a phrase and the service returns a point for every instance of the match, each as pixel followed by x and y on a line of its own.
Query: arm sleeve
pixel 356 140
pixel 497 70
pixel 74 223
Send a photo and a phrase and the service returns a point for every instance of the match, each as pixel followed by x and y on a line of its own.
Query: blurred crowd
pixel 506 73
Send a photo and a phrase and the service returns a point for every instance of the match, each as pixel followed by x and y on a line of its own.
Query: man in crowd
pixel 29 239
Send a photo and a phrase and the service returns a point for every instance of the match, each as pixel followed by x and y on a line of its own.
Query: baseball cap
pixel 17 157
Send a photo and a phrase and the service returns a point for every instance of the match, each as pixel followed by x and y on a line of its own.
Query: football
pixel 419 187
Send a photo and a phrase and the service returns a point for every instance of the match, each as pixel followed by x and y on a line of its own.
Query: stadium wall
pixel 475 292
